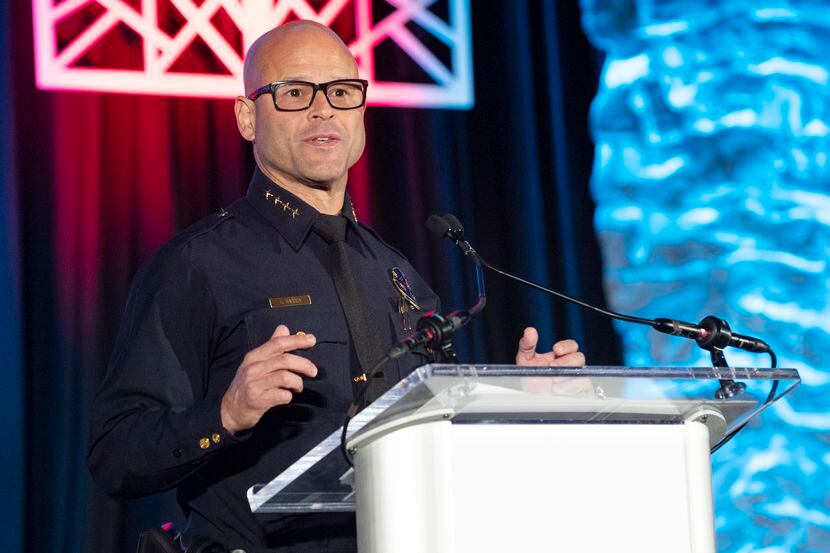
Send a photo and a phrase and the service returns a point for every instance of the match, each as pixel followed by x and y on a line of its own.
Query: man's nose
pixel 320 107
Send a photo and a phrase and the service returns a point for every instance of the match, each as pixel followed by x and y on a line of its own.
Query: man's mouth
pixel 323 140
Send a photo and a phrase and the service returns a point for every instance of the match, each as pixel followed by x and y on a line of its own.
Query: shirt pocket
pixel 327 325
pixel 328 394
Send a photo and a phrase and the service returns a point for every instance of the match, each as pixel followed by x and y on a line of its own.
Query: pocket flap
pixel 327 325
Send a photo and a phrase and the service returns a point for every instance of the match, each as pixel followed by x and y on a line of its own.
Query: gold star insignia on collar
pixel 286 206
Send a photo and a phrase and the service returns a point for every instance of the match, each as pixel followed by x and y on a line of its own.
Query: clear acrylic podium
pixel 494 458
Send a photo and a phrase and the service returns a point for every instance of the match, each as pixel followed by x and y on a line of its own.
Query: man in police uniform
pixel 234 355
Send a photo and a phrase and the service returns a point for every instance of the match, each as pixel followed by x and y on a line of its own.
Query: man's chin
pixel 319 185
pixel 324 180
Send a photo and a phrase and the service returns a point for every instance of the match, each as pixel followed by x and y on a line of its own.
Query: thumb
pixel 527 345
pixel 281 330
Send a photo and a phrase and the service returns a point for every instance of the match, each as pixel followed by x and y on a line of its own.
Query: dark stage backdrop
pixel 103 179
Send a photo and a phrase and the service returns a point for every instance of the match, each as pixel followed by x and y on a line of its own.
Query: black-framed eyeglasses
pixel 299 95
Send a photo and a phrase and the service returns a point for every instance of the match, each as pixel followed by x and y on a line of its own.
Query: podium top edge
pixel 599 371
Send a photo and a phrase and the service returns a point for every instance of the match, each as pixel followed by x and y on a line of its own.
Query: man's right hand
pixel 268 376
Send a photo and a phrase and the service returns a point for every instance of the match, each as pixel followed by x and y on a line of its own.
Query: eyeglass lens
pixel 343 95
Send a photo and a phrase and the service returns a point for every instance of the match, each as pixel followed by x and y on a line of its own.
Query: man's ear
pixel 245 117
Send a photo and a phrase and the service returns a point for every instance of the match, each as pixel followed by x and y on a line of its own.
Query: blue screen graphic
pixel 712 186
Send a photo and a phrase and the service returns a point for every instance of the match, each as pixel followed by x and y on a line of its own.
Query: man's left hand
pixel 563 354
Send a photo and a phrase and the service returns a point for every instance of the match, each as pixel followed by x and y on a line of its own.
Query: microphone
pixel 451 228
pixel 433 329
pixel 710 334
pixel 439 226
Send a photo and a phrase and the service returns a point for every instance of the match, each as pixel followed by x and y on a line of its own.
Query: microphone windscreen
pixel 455 224
pixel 438 226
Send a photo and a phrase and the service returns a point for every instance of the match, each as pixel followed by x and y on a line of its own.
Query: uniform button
pixel 216 438
pixel 300 333
pixel 177 453
pixel 360 378
pixel 204 443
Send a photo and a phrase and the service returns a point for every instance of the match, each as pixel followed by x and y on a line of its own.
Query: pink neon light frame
pixel 54 70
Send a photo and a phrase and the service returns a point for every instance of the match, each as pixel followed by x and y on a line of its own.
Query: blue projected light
pixel 712 186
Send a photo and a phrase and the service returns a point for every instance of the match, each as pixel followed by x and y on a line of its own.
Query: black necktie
pixel 365 339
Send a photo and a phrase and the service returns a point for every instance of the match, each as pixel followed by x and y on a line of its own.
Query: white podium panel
pixel 481 488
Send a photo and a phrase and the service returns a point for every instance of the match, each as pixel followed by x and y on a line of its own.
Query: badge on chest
pixel 405 301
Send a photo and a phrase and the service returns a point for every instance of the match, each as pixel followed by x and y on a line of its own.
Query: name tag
pixel 289 301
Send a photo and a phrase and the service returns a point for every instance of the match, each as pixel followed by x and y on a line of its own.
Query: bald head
pixel 308 150
pixel 265 57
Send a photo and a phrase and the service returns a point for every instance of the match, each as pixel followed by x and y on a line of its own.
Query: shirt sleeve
pixel 151 425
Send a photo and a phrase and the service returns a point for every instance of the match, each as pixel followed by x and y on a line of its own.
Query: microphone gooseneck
pixel 710 334
pixel 433 328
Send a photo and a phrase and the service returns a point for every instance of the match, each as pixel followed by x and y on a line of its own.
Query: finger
pixel 281 330
pixel 564 347
pixel 279 344
pixel 280 379
pixel 550 359
pixel 286 362
pixel 542 359
pixel 527 345
pixel 576 359
pixel 273 397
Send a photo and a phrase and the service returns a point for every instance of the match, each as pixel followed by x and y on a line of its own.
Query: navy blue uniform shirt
pixel 195 309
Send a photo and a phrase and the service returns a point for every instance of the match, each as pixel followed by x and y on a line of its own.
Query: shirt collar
pixel 291 216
